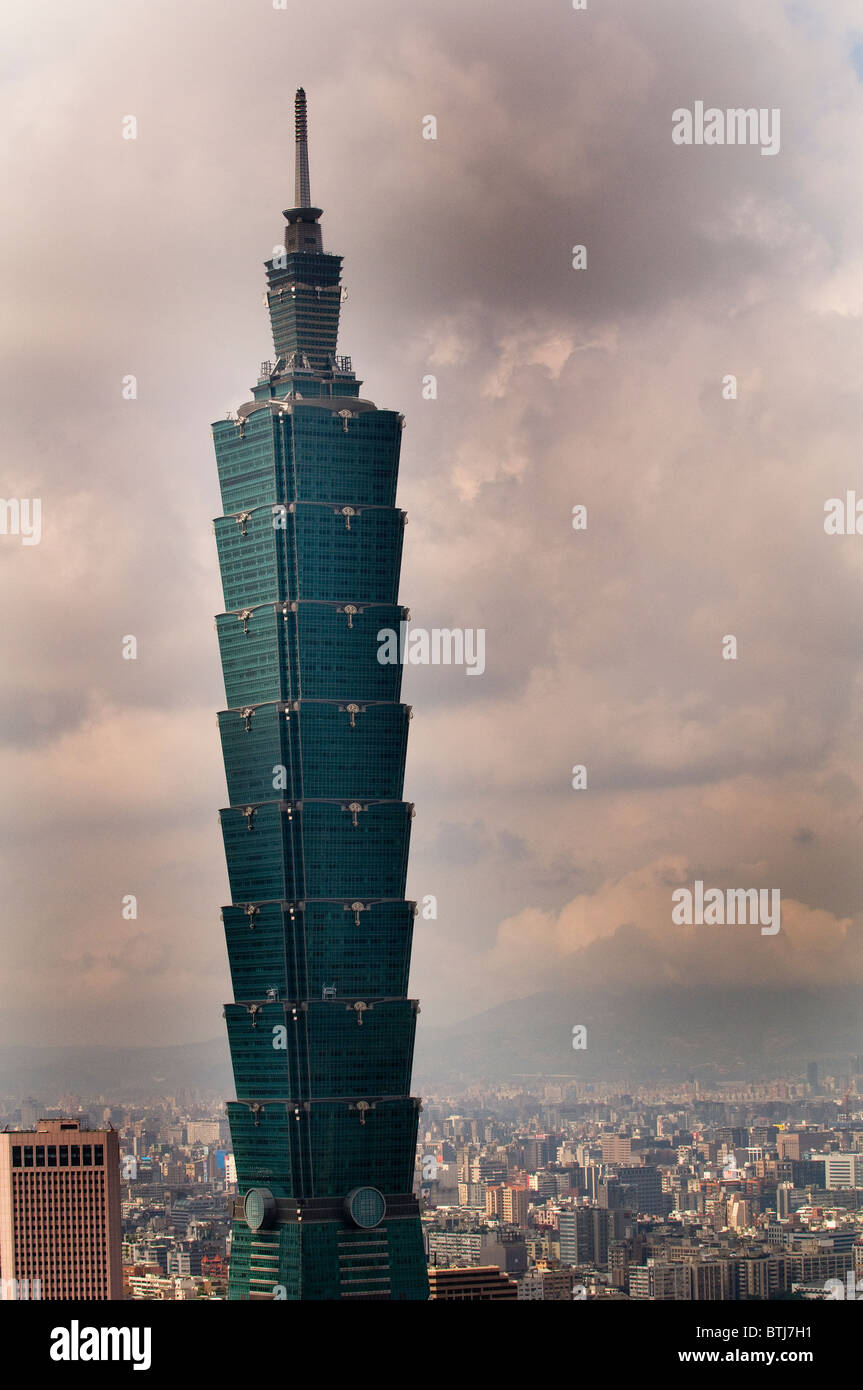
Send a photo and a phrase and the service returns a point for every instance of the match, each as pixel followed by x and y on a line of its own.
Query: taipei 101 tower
pixel 316 832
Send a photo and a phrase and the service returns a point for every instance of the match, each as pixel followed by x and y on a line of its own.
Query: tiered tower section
pixel 316 834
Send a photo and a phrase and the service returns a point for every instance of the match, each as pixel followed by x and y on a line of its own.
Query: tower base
pixel 315 1256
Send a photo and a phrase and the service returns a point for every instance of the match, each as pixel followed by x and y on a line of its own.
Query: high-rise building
pixel 788 1145
pixel 807 1172
pixel 187 1263
pixel 487 1170
pixel 316 834
pixel 843 1170
pixel 515 1204
pixel 534 1152
pixel 576 1231
pixel 705 1280
pixel 659 1282
pixel 60 1230
pixel 471 1194
pixel 494 1201
pixel 789 1199
pixel 616 1148
pixel 586 1233
pixel 618 1263
pixel 546 1286
pixel 645 1184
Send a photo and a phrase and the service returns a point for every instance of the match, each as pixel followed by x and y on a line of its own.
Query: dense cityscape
pixel 544 1189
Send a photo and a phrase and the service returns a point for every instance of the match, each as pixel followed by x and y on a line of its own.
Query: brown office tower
pixel 60 1213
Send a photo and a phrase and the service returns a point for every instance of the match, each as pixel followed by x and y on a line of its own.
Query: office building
pixel 316 832
pixel 546 1286
pixel 472 1284
pixel 660 1282
pixel 514 1205
pixel 60 1233
pixel 587 1232
pixel 642 1186
pixel 843 1170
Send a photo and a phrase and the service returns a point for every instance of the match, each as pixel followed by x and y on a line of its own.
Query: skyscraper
pixel 60 1229
pixel 316 835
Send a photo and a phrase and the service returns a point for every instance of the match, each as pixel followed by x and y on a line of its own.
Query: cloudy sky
pixel 556 387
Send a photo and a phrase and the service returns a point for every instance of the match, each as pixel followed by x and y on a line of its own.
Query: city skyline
pixel 538 1189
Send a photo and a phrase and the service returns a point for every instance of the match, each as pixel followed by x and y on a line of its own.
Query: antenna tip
pixel 300 114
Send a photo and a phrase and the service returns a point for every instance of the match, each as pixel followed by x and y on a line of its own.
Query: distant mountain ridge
pixel 120 1073
pixel 631 1035
pixel 735 1034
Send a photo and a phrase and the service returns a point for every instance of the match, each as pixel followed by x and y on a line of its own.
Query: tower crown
pixel 304 289
pixel 301 178
pixel 303 232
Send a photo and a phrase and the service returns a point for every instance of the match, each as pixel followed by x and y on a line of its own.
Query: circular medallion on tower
pixel 365 1206
pixel 260 1208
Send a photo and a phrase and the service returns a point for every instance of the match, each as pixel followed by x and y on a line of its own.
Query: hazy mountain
pixel 119 1073
pixel 643 1036
pixel 635 1036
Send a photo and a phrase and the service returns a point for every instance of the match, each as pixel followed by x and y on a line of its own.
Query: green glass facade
pixel 316 832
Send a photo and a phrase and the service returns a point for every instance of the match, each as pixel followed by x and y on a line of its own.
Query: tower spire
pixel 302 194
